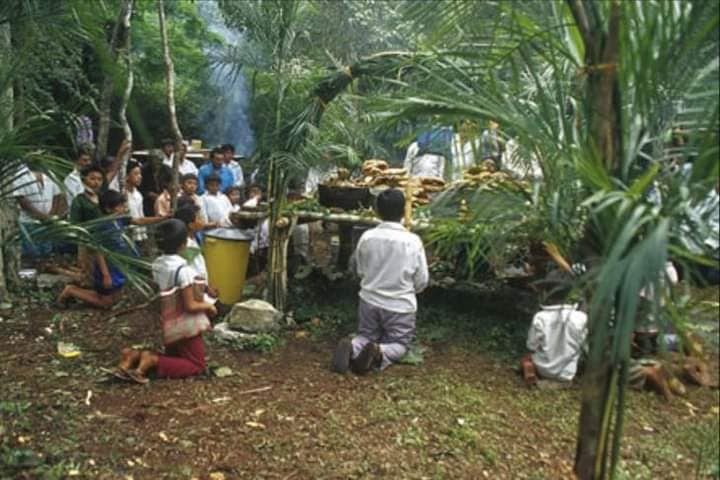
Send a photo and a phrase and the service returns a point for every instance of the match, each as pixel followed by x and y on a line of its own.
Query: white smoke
pixel 227 118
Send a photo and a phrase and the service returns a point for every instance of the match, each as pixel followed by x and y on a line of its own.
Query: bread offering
pixel 378 174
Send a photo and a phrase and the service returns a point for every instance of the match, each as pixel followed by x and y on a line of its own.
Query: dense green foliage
pixel 189 38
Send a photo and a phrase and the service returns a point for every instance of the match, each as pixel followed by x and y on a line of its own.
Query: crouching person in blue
pixel 108 279
pixel 392 267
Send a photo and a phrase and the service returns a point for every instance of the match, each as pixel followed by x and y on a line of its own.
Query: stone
pixel 47 280
pixel 254 316
pixel 223 332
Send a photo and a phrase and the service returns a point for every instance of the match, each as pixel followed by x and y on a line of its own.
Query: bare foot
pixel 148 361
pixel 129 358
pixel 62 299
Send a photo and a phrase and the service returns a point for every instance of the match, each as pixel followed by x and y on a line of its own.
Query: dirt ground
pixel 462 413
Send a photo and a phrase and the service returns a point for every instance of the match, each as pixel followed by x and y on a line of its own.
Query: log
pixel 342 218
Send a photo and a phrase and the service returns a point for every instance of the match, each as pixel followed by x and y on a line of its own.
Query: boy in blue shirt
pixel 108 280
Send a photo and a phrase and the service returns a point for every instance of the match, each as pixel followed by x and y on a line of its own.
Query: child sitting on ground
pixel 217 205
pixel 182 334
pixel 108 280
pixel 392 267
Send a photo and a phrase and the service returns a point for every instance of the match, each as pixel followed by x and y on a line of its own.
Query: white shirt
pixel 301 240
pixel 41 196
pixel 237 171
pixel 164 269
pixel 315 177
pixel 392 267
pixel 556 338
pixel 197 263
pixel 135 208
pixel 261 237
pixel 168 160
pixel 427 165
pixel 73 185
pixel 187 166
pixel 217 208
pixel 199 267
pixel 463 156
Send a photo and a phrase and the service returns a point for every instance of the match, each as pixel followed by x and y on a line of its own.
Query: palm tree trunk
pixel 600 385
pixel 170 95
pixel 110 67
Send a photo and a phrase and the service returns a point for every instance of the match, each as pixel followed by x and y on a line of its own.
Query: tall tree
pixel 111 59
pixel 170 96
pixel 126 54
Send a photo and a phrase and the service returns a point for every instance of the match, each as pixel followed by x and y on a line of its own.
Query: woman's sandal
pixel 122 374
pixel 137 377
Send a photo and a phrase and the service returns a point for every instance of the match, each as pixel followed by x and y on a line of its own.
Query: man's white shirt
pixel 41 195
pixel 392 267
pixel 73 185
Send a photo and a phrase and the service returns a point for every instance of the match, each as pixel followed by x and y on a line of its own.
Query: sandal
pixel 122 374
pixel 137 377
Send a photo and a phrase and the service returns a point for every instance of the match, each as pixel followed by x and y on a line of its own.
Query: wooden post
pixel 407 219
pixel 279 241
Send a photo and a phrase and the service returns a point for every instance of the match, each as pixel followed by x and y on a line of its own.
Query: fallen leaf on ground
pixel 68 350
pixel 255 425
pixel 222 372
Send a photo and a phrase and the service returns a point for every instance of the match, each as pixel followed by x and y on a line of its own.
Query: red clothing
pixel 184 358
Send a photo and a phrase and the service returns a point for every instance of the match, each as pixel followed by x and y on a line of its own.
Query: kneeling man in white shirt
pixel 392 267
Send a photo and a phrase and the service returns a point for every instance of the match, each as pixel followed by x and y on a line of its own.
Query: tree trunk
pixel 108 86
pixel 15 39
pixel 126 94
pixel 170 95
pixel 279 241
pixel 601 382
pixel 6 112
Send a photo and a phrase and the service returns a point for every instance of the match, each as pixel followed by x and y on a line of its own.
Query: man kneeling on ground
pixel 392 267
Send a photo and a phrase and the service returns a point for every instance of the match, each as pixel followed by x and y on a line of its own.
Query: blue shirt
pixel 227 179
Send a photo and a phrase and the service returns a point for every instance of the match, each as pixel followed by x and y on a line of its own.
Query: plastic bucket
pixel 227 251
